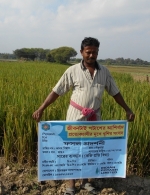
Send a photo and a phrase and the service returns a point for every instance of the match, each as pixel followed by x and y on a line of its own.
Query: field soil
pixel 15 179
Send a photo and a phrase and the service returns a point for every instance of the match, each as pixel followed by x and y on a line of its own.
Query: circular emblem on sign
pixel 46 126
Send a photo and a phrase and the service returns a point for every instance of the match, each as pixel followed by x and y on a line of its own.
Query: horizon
pixel 81 57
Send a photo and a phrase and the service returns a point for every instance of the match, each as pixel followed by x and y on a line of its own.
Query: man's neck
pixel 87 65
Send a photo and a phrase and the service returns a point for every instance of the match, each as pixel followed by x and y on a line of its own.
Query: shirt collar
pixel 96 65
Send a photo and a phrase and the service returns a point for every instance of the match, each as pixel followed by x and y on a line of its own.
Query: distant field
pixel 138 73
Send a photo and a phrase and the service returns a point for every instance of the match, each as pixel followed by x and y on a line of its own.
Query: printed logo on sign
pixel 46 126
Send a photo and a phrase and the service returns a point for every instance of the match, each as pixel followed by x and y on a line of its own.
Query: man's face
pixel 89 54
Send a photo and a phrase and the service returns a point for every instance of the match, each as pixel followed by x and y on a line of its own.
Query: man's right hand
pixel 37 115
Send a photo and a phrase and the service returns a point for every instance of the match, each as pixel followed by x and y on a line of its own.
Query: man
pixel 88 81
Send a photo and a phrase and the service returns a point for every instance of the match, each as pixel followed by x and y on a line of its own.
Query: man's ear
pixel 81 51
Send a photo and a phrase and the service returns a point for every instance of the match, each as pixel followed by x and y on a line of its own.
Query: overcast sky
pixel 121 26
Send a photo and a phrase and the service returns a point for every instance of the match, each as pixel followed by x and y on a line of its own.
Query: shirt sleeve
pixel 64 84
pixel 111 86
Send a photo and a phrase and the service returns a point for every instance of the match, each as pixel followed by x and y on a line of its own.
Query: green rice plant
pixel 24 86
pixel 136 94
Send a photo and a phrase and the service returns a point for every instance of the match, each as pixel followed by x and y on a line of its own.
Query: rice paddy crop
pixel 24 86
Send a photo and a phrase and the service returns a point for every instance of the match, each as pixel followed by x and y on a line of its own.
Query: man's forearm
pixel 119 99
pixel 49 100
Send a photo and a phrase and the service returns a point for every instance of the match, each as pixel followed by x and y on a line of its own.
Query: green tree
pixel 25 53
pixel 41 53
pixel 31 53
pixel 4 55
pixel 49 58
pixel 63 54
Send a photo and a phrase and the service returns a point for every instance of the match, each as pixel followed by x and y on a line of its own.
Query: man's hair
pixel 89 41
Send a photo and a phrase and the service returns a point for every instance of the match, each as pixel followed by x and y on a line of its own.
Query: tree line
pixel 7 56
pixel 60 55
pixel 117 61
pixel 122 61
pixel 31 53
pixel 63 55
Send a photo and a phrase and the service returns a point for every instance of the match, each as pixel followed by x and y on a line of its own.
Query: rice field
pixel 24 86
pixel 138 73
